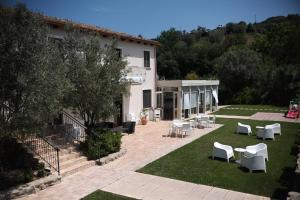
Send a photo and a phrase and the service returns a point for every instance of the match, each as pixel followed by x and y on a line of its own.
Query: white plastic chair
pixel 157 114
pixel 222 151
pixel 212 120
pixel 186 128
pixel 276 128
pixel 204 120
pixel 265 133
pixel 172 129
pixel 193 123
pixel 253 162
pixel 243 128
pixel 260 149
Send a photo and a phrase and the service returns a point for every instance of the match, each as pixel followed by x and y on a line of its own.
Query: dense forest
pixel 256 63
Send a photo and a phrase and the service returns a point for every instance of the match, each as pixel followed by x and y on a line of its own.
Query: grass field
pixel 248 110
pixel 102 195
pixel 193 162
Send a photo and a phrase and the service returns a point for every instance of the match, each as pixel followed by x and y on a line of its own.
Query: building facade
pixel 175 99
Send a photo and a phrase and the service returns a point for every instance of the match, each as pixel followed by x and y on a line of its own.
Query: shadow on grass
pixel 221 159
pixel 294 150
pixel 286 181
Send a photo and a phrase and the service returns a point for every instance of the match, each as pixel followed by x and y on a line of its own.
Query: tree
pixel 32 77
pixel 238 70
pixel 97 74
pixel 192 76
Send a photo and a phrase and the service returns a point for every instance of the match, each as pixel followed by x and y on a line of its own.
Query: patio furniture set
pixel 183 127
pixel 253 157
pixel 264 132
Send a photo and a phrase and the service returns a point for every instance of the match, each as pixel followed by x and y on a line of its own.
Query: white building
pixel 144 91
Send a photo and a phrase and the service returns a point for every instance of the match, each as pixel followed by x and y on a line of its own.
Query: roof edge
pixel 104 32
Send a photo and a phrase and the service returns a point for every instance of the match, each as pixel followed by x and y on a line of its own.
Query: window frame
pixel 147 59
pixel 119 52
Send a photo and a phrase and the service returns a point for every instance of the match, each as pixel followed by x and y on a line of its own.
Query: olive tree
pixel 97 74
pixel 32 77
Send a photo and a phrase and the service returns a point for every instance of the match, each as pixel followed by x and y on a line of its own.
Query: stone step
pixel 68 150
pixel 75 168
pixel 73 161
pixel 65 157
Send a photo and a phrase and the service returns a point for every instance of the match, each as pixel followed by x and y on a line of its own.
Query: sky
pixel 150 18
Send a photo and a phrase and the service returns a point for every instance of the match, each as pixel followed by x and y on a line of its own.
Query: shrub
pixel 101 143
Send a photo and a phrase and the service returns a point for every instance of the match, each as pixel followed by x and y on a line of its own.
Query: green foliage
pixel 97 74
pixel 32 77
pixel 273 63
pixel 101 143
pixel 192 76
pixel 240 65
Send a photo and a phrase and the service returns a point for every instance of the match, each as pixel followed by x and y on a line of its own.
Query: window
pixel 119 52
pixel 146 98
pixel 146 59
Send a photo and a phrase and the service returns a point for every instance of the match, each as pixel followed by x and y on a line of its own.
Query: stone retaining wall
pixel 111 157
pixel 29 188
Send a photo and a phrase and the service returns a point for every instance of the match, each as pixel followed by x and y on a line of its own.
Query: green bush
pixel 101 143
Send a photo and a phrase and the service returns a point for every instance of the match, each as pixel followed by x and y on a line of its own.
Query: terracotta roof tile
pixel 105 32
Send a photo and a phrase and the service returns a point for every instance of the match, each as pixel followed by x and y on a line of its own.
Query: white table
pixel 240 150
pixel 178 125
pixel 260 130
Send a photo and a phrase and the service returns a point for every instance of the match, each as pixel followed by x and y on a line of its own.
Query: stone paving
pixel 263 116
pixel 273 117
pixel 146 145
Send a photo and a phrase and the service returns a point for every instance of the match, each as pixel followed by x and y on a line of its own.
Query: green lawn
pixel 193 162
pixel 102 195
pixel 248 110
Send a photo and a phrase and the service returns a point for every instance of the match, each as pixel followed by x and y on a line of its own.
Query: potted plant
pixel 144 114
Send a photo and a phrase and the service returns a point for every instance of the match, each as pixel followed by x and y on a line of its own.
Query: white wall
pixel 133 53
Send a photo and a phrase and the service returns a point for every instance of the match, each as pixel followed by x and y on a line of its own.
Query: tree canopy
pixel 256 63
pixel 32 77
pixel 97 74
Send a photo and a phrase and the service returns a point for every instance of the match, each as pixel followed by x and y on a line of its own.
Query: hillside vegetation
pixel 256 63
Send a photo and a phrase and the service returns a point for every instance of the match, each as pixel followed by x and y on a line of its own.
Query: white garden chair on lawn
pixel 243 128
pixel 253 162
pixel 260 149
pixel 265 133
pixel 276 128
pixel 222 151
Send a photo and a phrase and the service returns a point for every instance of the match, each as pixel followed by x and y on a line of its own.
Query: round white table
pixel 240 150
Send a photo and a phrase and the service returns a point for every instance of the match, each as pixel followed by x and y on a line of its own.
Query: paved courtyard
pixel 146 145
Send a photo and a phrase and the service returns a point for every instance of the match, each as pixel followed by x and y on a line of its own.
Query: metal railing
pixel 73 128
pixel 44 149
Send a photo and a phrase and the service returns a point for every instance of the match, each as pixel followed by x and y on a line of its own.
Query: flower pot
pixel 144 120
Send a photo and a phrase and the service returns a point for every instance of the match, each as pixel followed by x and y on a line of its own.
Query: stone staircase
pixel 71 160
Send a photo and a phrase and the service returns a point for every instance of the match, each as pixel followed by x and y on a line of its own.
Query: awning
pixel 135 79
pixel 215 94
